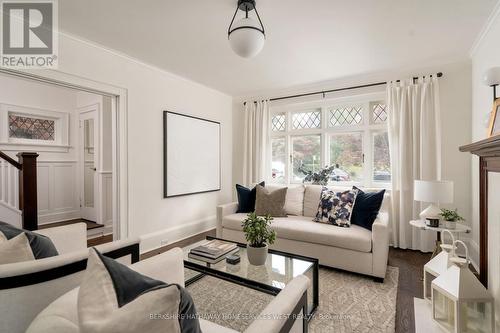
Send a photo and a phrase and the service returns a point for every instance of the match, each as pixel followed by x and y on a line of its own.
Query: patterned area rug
pixel 348 302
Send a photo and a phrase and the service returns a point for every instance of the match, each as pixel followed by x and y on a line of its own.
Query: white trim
pixel 160 238
pixel 120 133
pixel 485 29
pixel 27 147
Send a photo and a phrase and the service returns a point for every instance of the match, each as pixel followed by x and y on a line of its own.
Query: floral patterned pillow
pixel 336 207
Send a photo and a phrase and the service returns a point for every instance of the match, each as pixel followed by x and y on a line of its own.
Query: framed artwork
pixel 192 157
pixel 494 127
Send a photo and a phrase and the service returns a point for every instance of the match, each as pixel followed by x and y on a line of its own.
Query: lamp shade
pixel 492 76
pixel 246 38
pixel 433 191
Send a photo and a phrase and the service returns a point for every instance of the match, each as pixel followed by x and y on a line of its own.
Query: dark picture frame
pixel 165 154
pixel 494 124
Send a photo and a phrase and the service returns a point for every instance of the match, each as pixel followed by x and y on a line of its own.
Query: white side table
pixel 459 229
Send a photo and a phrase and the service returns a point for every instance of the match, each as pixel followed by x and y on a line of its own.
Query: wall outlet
pixel 164 242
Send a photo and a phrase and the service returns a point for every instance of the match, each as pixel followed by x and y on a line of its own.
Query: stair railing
pixel 26 186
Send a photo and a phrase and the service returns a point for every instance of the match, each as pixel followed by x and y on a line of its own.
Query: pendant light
pixel 246 36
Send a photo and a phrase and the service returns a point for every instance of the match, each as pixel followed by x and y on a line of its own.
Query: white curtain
pixel 415 146
pixel 256 142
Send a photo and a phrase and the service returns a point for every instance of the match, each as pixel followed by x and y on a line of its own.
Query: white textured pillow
pixel 294 202
pixel 16 249
pixel 99 310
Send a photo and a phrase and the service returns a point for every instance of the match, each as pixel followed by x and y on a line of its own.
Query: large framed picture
pixel 494 127
pixel 192 155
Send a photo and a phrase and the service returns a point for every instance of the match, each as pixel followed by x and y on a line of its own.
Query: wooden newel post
pixel 28 202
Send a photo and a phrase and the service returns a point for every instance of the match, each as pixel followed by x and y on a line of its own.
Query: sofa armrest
pixel 380 244
pixel 125 251
pixel 277 313
pixel 224 210
pixel 167 266
pixel 67 238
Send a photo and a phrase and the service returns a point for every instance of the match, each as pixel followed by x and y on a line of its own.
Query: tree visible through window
pixel 352 137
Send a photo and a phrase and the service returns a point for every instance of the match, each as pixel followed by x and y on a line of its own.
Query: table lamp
pixel 435 192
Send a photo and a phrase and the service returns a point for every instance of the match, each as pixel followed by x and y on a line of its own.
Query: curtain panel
pixel 256 141
pixel 415 148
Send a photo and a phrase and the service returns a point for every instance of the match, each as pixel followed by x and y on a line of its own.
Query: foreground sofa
pixel 26 288
pixel 62 317
pixel 354 249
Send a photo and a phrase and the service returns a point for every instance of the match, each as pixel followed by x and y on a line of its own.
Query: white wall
pixel 149 92
pixel 57 171
pixel 455 90
pixel 486 54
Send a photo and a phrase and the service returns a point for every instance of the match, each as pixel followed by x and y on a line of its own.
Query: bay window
pixel 350 135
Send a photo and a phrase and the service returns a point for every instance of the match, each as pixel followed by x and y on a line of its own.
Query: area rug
pixel 348 302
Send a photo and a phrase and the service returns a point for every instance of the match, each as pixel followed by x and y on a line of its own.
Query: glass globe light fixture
pixel 246 36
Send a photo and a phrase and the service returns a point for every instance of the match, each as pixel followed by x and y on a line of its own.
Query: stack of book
pixel 212 251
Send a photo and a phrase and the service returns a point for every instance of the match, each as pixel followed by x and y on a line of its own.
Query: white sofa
pixel 62 317
pixel 354 249
pixel 26 288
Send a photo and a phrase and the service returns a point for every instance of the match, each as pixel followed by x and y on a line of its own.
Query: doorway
pixel 97 176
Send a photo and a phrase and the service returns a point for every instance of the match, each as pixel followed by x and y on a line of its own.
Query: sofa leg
pixel 378 279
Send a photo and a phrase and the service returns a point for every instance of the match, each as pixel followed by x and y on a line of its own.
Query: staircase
pixel 18 190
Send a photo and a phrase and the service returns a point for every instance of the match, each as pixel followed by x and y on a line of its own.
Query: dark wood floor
pixel 90 224
pixel 410 264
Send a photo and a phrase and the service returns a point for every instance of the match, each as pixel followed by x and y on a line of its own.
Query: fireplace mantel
pixel 488 151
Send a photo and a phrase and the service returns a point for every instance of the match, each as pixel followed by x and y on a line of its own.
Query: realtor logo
pixel 29 34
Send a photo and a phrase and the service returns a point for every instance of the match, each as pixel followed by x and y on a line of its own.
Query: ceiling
pixel 307 41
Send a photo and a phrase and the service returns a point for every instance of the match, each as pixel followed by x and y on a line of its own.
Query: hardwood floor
pixel 90 224
pixel 410 264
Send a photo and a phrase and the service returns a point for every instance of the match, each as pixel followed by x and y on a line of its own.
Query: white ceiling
pixel 307 41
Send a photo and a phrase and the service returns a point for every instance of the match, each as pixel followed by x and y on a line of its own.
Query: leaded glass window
pixel 379 113
pixel 32 128
pixel 346 115
pixel 305 120
pixel 278 122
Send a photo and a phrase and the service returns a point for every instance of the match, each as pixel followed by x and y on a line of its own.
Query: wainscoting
pixel 58 190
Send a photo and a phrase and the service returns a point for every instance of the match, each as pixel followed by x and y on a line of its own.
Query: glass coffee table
pixel 271 278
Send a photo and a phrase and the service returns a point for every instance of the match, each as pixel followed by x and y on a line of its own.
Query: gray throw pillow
pixel 270 203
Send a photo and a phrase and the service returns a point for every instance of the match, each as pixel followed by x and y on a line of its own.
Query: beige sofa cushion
pixel 294 201
pixel 301 228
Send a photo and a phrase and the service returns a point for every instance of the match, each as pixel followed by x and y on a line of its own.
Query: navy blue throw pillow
pixel 246 198
pixel 366 207
pixel 41 246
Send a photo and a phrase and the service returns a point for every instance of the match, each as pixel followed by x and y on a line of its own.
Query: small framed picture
pixel 494 127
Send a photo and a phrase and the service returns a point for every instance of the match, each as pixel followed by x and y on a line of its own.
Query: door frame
pixel 84 114
pixel 119 109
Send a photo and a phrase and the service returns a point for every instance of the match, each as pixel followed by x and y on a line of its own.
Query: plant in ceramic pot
pixel 259 236
pixel 451 217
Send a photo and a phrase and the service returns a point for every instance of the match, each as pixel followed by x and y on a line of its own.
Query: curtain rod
pixel 339 89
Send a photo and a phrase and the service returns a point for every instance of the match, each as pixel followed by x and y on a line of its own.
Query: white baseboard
pixel 58 217
pixel 168 236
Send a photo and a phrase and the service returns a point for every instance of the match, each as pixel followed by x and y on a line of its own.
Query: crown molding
pixel 495 13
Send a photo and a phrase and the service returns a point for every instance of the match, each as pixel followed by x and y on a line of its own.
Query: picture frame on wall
pixel 192 155
pixel 494 124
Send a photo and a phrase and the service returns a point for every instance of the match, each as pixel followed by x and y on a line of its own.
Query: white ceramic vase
pixel 257 255
pixel 450 224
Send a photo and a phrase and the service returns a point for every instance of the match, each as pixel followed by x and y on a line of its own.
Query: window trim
pixel 61 129
pixel 367 127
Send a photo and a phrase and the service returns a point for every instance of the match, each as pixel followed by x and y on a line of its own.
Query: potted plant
pixel 259 235
pixel 320 177
pixel 451 217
